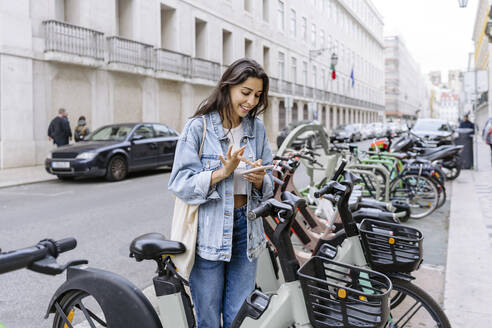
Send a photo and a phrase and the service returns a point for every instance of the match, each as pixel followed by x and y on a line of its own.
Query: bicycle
pixel 392 249
pixel 358 297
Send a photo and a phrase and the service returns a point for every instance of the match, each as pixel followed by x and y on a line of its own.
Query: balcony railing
pixel 205 69
pixel 308 92
pixel 274 85
pixel 172 62
pixel 73 39
pixel 129 52
pixel 299 90
pixel 286 87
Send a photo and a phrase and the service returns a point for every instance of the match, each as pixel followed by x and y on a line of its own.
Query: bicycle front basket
pixel 340 295
pixel 391 247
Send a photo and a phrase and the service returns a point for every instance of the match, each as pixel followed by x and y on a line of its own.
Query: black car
pixel 348 132
pixel 434 131
pixel 114 150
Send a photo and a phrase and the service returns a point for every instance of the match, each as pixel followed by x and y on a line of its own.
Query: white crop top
pixel 235 136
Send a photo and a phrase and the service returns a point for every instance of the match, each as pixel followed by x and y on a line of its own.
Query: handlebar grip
pixel 281 158
pixel 348 177
pixel 322 191
pixel 260 211
pixel 287 167
pixel 66 244
pixel 277 181
pixel 339 170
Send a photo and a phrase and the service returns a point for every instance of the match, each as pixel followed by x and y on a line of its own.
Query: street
pixel 105 217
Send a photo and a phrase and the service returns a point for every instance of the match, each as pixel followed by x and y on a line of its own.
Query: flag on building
pixel 352 77
pixel 333 72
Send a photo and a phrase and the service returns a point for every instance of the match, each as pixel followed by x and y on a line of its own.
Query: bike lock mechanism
pixel 254 306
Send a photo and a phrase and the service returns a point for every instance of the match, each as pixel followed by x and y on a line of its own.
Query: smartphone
pixel 256 169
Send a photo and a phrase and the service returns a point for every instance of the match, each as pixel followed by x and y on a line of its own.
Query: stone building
pixel 156 60
pixel 405 84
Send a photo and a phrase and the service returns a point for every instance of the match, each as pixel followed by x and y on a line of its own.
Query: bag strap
pixel 203 135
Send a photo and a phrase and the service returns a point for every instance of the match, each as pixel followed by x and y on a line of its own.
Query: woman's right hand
pixel 232 161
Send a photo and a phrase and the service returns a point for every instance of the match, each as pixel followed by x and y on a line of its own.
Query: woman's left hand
pixel 256 178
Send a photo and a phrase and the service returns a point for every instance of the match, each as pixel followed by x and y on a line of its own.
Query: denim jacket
pixel 190 181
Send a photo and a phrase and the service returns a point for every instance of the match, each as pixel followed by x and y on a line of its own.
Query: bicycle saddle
pixel 152 246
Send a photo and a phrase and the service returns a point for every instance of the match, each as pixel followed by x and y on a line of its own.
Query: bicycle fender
pixel 123 304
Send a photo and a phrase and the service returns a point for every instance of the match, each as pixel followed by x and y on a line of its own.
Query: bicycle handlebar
pixel 22 258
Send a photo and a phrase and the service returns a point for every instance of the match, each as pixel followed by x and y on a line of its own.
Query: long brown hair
pixel 236 73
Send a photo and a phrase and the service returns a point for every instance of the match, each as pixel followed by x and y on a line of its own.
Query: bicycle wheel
pixel 420 192
pixel 78 307
pixel 413 307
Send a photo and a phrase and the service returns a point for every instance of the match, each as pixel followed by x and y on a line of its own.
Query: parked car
pixel 348 132
pixel 115 150
pixel 308 138
pixel 433 130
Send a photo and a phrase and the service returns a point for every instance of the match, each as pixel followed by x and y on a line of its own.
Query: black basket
pixel 391 247
pixel 340 295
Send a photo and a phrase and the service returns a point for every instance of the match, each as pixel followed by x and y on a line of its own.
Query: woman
pixel 81 130
pixel 228 244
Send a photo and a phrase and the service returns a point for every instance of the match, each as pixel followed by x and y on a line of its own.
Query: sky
pixel 438 33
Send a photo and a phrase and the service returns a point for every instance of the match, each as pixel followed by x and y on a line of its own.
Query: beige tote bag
pixel 185 226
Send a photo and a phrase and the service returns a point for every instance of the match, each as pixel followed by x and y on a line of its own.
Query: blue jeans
pixel 219 287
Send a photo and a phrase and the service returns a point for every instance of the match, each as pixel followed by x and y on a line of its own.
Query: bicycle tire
pixel 68 303
pixel 411 293
pixel 408 184
pixel 453 173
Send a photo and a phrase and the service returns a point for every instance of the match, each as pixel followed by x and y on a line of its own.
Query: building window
pixel 200 38
pixel 248 48
pixel 266 59
pixel 304 28
pixel 125 18
pixel 293 70
pixel 280 16
pixel 282 122
pixel 168 28
pixel 293 27
pixel 323 79
pixel 266 11
pixel 313 35
pixel 248 5
pixel 226 47
pixel 295 113
pixel 305 73
pixel 315 76
pixel 322 38
pixel 281 66
pixel 305 112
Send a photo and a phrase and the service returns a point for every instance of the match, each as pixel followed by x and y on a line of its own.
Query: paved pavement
pixel 468 282
pixel 468 278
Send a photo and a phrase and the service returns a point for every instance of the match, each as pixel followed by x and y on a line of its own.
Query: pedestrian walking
pixel 59 129
pixel 81 131
pixel 487 135
pixel 466 124
pixel 234 139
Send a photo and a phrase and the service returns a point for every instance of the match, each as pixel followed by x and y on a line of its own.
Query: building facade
pixel 157 60
pixel 405 86
pixel 482 61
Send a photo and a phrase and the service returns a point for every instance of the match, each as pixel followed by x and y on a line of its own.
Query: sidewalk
pixel 24 175
pixel 468 283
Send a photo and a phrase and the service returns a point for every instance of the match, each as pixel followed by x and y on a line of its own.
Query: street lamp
pixel 462 3
pixel 334 59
